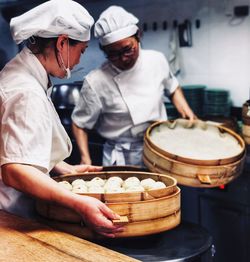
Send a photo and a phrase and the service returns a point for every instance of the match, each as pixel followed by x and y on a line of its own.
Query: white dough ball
pixel 114 180
pixel 95 189
pixel 136 188
pixel 92 184
pixel 66 185
pixel 78 182
pixel 98 180
pixel 83 186
pixel 114 190
pixel 158 185
pixel 131 182
pixel 80 189
pixel 148 183
pixel 111 186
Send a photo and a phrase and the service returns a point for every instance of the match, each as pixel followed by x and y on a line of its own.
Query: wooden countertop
pixel 27 240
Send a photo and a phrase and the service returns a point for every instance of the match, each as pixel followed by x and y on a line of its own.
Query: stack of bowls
pixel 194 95
pixel 217 102
pixel 246 122
pixel 172 112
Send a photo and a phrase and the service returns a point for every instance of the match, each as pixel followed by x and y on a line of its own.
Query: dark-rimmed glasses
pixel 127 52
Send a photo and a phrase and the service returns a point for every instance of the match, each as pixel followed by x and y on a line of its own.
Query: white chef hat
pixel 52 19
pixel 114 24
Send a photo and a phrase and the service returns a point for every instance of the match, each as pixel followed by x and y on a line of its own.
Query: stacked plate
pixel 194 95
pixel 217 102
pixel 171 111
pixel 245 130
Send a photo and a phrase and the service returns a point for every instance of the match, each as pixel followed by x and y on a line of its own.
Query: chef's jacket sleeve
pixel 88 108
pixel 26 130
pixel 170 82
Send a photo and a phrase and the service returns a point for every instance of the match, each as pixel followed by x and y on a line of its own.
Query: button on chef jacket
pixel 31 131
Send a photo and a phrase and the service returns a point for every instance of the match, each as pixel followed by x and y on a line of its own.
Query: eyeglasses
pixel 127 52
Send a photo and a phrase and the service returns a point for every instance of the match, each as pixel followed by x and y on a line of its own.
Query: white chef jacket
pixel 31 131
pixel 120 105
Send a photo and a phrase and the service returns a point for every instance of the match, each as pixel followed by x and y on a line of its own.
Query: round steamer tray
pixel 189 174
pixel 148 212
pixel 245 114
pixel 197 124
pixel 246 133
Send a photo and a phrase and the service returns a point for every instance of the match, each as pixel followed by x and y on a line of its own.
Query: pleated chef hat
pixel 52 19
pixel 114 24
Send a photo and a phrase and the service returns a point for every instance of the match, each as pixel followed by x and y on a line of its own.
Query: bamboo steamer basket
pixel 194 175
pixel 148 212
pixel 246 122
pixel 197 124
pixel 246 113
pixel 246 133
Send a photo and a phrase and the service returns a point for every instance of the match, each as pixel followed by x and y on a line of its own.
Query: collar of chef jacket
pixel 32 63
pixel 141 92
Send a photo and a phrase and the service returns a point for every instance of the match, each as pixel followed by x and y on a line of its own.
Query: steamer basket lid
pixel 200 143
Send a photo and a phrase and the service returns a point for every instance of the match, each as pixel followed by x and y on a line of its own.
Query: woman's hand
pixel 86 168
pixel 32 181
pixel 98 216
pixel 64 168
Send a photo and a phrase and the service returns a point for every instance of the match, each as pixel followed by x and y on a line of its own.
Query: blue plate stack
pixel 217 102
pixel 194 95
pixel 172 112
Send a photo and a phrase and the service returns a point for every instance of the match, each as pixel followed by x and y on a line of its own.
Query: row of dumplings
pixel 112 185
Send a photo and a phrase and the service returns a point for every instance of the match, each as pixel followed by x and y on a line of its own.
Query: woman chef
pixel 125 95
pixel 33 141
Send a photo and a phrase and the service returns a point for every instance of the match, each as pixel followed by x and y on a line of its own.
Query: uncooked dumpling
pixel 114 190
pixel 95 189
pixel 158 185
pixel 148 183
pixel 131 182
pixel 135 188
pixel 78 182
pixel 113 184
pixel 80 189
pixel 110 185
pixel 115 180
pixel 98 181
pixel 65 184
pixel 93 183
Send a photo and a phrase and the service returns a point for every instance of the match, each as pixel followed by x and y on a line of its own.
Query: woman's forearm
pixel 81 137
pixel 31 181
pixel 180 102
